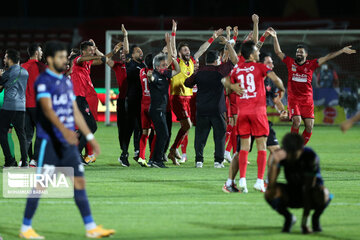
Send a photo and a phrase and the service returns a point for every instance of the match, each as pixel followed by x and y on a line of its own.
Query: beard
pixel 186 57
pixel 299 59
pixel 60 69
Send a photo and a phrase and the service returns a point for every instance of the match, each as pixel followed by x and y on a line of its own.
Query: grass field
pixel 187 203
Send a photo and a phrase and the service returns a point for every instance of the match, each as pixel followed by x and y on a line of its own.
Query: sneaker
pixel 227 156
pixel 136 155
pixel 123 160
pixel 230 189
pixel 289 222
pixel 99 232
pixel 172 157
pixel 218 165
pixel 90 159
pixel 23 163
pixel 156 164
pixel 142 162
pixel 199 164
pixel 84 161
pixel 242 185
pixel 32 163
pixel 30 234
pixel 150 163
pixel 259 185
pixel 183 159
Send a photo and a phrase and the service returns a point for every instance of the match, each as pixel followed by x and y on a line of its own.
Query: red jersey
pixel 80 77
pixel 145 100
pixel 299 79
pixel 34 68
pixel 120 73
pixel 251 75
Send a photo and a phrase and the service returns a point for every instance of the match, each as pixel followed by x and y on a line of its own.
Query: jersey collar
pixel 51 73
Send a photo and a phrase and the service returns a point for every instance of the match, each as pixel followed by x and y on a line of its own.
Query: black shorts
pixel 271 139
pixel 294 195
pixel 60 155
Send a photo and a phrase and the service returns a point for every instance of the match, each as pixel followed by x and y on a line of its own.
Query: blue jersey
pixel 60 90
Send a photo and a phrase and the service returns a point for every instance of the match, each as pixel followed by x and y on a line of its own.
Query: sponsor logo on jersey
pixel 299 77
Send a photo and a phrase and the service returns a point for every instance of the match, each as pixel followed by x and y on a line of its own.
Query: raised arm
pixel 177 69
pixel 277 48
pixel 126 40
pixel 173 38
pixel 207 44
pixel 332 55
pixel 83 127
pixel 262 39
pixel 168 47
pixel 232 54
pixel 117 47
pixel 277 81
pixel 255 19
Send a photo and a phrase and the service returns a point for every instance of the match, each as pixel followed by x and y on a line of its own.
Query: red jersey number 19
pixel 250 84
pixel 146 90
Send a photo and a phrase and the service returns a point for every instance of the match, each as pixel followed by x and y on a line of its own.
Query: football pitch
pixel 188 203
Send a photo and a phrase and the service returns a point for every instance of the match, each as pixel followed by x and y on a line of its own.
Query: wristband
pixel 211 40
pixel 90 137
pixel 235 37
pixel 173 34
pixel 262 39
pixel 232 41
pixel 103 59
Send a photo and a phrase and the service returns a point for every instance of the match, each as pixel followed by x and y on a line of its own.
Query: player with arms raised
pixel 300 92
pixel 252 118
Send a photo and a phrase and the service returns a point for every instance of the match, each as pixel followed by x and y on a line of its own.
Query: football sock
pixel 261 162
pixel 306 135
pixel 294 130
pixel 31 206
pixel 180 135
pixel 143 140
pixel 88 149
pixel 229 182
pixel 184 144
pixel 243 158
pixel 82 203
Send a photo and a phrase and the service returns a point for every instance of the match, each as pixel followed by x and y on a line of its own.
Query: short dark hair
pixel 149 61
pixel 237 47
pixel 247 49
pixel 263 55
pixel 211 56
pixel 32 48
pixel 52 47
pixel 292 142
pixel 75 50
pixel 13 54
pixel 304 46
pixel 84 45
pixel 132 49
pixel 181 45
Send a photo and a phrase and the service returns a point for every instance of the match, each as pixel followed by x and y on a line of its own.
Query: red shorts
pixel 181 106
pixel 299 109
pixel 193 109
pixel 256 125
pixel 93 102
pixel 146 122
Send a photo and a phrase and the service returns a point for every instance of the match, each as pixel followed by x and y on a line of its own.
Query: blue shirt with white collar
pixel 59 89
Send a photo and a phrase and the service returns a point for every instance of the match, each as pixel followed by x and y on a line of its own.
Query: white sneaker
pixel 259 185
pixel 183 158
pixel 242 185
pixel 199 165
pixel 218 165
pixel 227 156
pixel 32 163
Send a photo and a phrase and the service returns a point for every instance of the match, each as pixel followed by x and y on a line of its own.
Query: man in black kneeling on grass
pixel 304 187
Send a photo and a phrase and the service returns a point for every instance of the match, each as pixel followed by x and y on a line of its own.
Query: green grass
pixel 187 203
